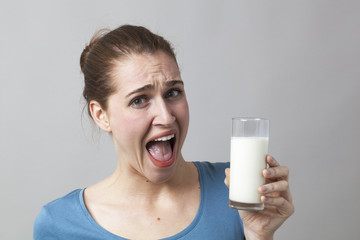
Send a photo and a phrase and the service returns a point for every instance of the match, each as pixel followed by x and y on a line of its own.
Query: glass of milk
pixel 249 146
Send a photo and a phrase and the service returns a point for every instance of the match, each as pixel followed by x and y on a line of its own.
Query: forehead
pixel 138 70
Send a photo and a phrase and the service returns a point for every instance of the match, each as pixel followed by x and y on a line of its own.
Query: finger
pixel 284 207
pixel 227 171
pixel 227 177
pixel 280 186
pixel 276 172
pixel 271 161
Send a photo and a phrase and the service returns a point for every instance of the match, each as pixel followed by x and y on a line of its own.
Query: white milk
pixel 247 163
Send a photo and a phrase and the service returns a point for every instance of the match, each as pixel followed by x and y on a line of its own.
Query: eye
pixel 139 102
pixel 173 93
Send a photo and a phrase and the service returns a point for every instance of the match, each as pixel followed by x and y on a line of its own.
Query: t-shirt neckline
pixel 179 235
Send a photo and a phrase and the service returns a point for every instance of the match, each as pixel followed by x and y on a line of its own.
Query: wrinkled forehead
pixel 137 70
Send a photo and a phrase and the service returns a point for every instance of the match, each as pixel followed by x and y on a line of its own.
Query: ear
pixel 99 115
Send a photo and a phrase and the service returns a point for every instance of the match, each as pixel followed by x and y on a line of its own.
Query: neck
pixel 127 181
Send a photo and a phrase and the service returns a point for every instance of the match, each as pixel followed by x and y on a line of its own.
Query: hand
pixel 277 201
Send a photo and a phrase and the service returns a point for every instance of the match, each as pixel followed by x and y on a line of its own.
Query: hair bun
pixel 94 40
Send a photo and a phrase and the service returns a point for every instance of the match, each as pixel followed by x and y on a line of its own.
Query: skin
pixel 162 201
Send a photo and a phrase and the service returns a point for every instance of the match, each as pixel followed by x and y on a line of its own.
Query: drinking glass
pixel 249 146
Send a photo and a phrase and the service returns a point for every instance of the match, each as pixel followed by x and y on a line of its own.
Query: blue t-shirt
pixel 67 218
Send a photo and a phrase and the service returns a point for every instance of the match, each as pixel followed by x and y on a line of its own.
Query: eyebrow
pixel 151 86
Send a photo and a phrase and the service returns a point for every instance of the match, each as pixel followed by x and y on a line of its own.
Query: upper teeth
pixel 166 138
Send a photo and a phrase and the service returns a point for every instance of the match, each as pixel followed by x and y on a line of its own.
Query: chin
pixel 161 174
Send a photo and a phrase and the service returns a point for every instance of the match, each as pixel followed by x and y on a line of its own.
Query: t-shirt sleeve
pixel 43 226
pixel 218 221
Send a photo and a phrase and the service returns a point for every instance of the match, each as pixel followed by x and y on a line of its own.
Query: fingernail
pixel 268 172
pixel 263 189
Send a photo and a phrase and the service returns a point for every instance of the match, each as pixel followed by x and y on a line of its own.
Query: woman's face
pixel 148 115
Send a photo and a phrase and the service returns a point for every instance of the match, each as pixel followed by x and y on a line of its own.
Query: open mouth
pixel 161 149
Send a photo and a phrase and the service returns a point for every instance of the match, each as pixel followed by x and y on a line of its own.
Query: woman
pixel 134 91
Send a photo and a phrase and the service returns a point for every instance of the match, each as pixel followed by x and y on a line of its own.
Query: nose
pixel 162 113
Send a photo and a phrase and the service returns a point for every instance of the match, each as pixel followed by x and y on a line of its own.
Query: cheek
pixel 128 128
pixel 183 115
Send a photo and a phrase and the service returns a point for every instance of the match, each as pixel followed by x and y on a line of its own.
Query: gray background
pixel 294 62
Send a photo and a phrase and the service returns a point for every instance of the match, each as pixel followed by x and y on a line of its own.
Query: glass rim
pixel 244 119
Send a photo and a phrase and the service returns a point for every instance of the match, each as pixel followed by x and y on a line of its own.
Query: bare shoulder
pixel 95 195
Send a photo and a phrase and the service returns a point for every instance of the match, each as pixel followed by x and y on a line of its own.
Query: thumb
pixel 227 177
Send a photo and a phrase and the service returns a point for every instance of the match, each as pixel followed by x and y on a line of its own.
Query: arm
pixel 43 226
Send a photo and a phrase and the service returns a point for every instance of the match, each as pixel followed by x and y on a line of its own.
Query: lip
pixel 171 160
pixel 163 134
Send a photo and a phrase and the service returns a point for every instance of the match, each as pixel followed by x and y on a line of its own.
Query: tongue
pixel 160 150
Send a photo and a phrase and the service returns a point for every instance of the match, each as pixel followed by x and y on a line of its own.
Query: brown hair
pixel 108 47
